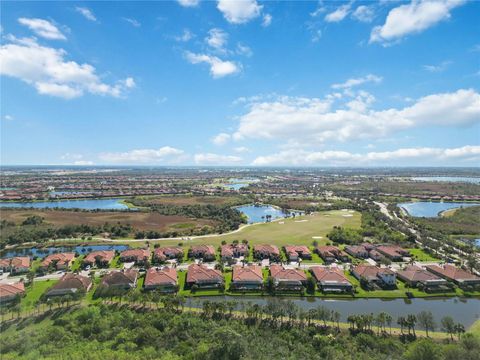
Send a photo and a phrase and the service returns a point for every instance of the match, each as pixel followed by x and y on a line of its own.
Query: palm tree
pixel 412 320
pixel 459 329
pixel 425 319
pixel 448 325
pixel 351 319
pixel 388 319
pixel 401 322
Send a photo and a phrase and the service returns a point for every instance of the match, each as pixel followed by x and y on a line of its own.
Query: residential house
pixel 101 258
pixel 70 284
pixel 138 256
pixel 375 275
pixel 331 253
pixel 296 252
pixel 15 265
pixel 163 280
pixel 376 255
pixel 10 292
pixel 358 251
pixel 331 279
pixel 231 251
pixel 414 275
pixel 248 277
pixel 288 279
pixel 392 252
pixel 163 254
pixel 266 252
pixel 203 277
pixel 122 280
pixel 59 261
pixel 452 273
pixel 205 252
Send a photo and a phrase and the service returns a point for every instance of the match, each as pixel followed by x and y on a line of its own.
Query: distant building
pixel 163 280
pixel 163 254
pixel 288 279
pixel 100 258
pixel 70 284
pixel 454 274
pixel 203 277
pixel 138 256
pixel 375 275
pixel 248 277
pixel 415 275
pixel 295 252
pixel 266 252
pixel 331 279
pixel 205 252
pixel 60 261
pixel 10 292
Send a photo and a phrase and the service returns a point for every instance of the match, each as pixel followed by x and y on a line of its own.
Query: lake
pixel 42 252
pixel 237 184
pixel 83 204
pixel 431 209
pixel 473 180
pixel 258 213
pixel 464 311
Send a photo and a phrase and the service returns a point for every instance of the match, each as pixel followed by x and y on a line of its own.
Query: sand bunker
pixel 347 215
pixel 301 220
pixel 317 237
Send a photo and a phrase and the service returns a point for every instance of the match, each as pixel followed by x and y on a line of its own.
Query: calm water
pixel 255 213
pixel 84 204
pixel 42 252
pixel 473 180
pixel 464 311
pixel 237 184
pixel 431 209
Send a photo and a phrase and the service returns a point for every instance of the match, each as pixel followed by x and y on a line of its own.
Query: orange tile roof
pixel 280 273
pixel 60 258
pixel 105 255
pixel 326 274
pixel 7 290
pixel 247 273
pixel 198 272
pixel 161 277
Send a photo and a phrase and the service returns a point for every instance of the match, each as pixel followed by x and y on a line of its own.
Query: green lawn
pixel 475 328
pixel 421 255
pixel 77 263
pixel 33 294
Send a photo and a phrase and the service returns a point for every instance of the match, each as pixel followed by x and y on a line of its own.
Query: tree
pixel 423 349
pixel 448 325
pixel 426 321
pixel 411 322
pixel 311 285
pixel 459 329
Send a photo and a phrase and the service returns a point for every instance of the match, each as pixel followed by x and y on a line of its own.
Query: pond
pixel 464 311
pixel 431 209
pixel 84 204
pixel 237 184
pixel 258 213
pixel 463 179
pixel 42 252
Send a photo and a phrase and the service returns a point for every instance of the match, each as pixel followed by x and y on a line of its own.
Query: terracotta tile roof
pixel 4 263
pixel 162 253
pixel 165 276
pixel 7 290
pixel 278 272
pixel 329 250
pixel 267 249
pixel 60 258
pixel 391 250
pixel 356 249
pixel 105 255
pixel 201 273
pixel 247 273
pixel 21 262
pixel 120 277
pixel 452 272
pixel 203 249
pixel 329 275
pixel 72 281
pixel 370 271
pixel 139 254
pixel 296 250
pixel 231 249
pixel 417 274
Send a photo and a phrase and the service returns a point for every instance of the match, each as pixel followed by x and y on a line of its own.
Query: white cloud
pixel 221 139
pixel 316 35
pixel 132 22
pixel 166 154
pixel 8 117
pixel 217 39
pixel 413 18
pixel 437 68
pixel 319 10
pixel 218 67
pixel 267 20
pixel 296 120
pixel 47 70
pixel 216 159
pixel 71 156
pixel 244 50
pixel 187 35
pixel 189 3
pixel 87 13
pixel 364 13
pixel 467 154
pixel 358 81
pixel 241 149
pixel 83 163
pixel 43 28
pixel 239 11
pixel 339 14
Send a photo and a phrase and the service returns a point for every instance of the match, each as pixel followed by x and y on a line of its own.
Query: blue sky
pixel 241 83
